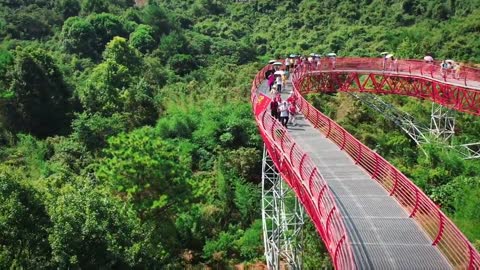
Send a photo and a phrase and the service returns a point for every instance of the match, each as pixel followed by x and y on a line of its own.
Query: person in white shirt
pixel 283 113
pixel 279 84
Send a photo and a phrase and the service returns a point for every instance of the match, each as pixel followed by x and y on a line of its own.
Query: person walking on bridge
pixel 271 80
pixel 279 83
pixel 274 108
pixel 443 68
pixel 292 112
pixel 457 67
pixel 284 113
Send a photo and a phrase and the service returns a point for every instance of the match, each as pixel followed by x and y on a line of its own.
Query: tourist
pixel 292 111
pixel 279 83
pixel 271 80
pixel 284 113
pixel 457 68
pixel 274 108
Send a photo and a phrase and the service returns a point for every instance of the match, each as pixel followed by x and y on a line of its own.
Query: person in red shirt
pixel 278 97
pixel 292 99
pixel 292 112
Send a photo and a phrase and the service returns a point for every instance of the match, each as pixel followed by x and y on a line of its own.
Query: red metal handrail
pixel 441 230
pixel 468 76
pixel 312 190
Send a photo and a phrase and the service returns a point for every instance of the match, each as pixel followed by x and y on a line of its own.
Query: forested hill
pixel 126 135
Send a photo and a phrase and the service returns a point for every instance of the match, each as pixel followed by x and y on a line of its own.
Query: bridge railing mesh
pixel 301 174
pixel 439 228
pixel 466 75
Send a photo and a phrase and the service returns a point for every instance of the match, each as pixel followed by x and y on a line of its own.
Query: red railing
pixel 441 230
pixel 305 179
pixel 467 76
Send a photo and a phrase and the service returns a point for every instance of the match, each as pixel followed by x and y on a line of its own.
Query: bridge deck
pixel 380 231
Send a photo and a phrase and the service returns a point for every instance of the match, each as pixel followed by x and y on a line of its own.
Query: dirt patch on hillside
pixel 141 3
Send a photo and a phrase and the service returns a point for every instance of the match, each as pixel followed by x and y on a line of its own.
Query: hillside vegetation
pixel 126 133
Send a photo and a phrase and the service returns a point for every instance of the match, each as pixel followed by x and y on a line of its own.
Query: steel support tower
pixel 402 119
pixel 282 218
pixel 442 124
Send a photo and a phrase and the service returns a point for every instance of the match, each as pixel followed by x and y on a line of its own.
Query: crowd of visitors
pixel 450 67
pixel 285 110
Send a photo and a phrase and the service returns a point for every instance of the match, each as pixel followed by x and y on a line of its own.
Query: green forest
pixel 127 139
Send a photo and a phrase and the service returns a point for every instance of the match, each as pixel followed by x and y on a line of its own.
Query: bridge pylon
pixel 442 123
pixel 282 218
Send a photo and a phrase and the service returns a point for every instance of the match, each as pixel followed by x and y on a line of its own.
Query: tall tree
pixel 92 229
pixel 106 27
pixel 41 101
pixel 119 51
pixel 78 36
pixel 151 172
pixel 142 38
pixel 68 8
pixel 24 225
pixel 156 16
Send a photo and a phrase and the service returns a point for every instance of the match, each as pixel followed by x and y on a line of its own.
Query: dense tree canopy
pixel 41 98
pixel 78 36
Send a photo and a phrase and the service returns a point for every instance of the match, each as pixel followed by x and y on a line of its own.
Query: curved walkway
pixel 381 233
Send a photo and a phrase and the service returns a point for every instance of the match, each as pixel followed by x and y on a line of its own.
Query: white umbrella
pixel 390 55
pixel 279 72
pixel 331 54
pixel 277 63
pixel 293 55
pixel 383 53
pixel 428 58
pixel 318 55
pixel 313 54
pixel 272 61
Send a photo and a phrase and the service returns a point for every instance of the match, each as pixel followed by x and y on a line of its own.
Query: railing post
pixel 344 139
pixel 308 111
pixel 440 229
pixel 336 251
pixel 470 251
pixel 310 179
pixel 273 127
pixel 327 227
pixel 300 166
pixel 329 128
pixel 263 120
pixel 320 195
pixel 281 142
pixel 359 156
pixel 291 152
pixel 415 207
pixel 375 171
pixel 394 183
pixel 300 105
